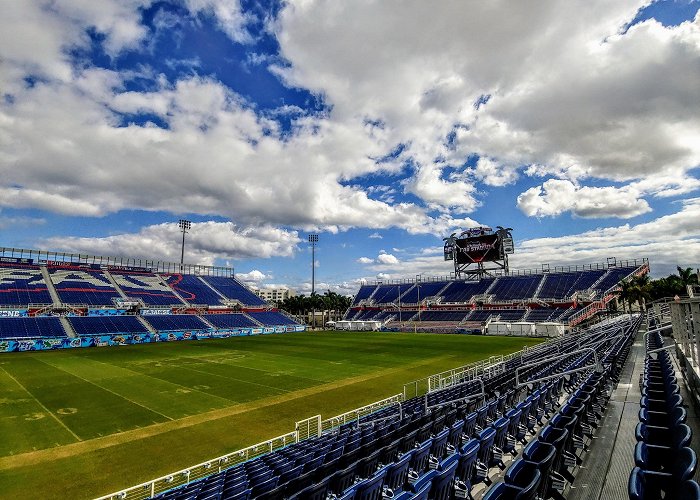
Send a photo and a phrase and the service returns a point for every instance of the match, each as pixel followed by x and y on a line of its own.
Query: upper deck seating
pixel 83 287
pixel 31 327
pixel 422 291
pixel 463 291
pixel 147 287
pixel 515 287
pixel 364 292
pixel 613 277
pixel 193 289
pixel 387 294
pixel 232 289
pixel 557 285
pixel 23 285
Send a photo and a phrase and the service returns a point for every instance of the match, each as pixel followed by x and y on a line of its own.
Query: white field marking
pixel 42 405
pixel 179 387
pixel 236 379
pixel 105 389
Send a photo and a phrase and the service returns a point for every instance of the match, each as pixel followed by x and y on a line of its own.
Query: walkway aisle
pixel 606 467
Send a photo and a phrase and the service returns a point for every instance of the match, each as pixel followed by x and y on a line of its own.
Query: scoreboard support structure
pixel 479 252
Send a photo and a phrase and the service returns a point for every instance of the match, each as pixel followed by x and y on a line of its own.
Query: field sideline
pixel 81 423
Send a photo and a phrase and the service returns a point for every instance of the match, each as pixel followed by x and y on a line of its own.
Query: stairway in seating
pixel 49 286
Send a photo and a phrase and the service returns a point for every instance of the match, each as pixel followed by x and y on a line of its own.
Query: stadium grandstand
pixel 567 296
pixel 52 300
pixel 600 413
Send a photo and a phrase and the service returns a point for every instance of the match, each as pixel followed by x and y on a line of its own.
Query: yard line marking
pixel 139 374
pixel 69 450
pixel 234 378
pixel 42 405
pixel 104 389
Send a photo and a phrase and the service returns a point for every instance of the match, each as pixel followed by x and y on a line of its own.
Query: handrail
pixel 547 360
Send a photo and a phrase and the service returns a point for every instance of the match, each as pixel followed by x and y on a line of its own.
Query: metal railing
pixel 356 414
pixel 182 477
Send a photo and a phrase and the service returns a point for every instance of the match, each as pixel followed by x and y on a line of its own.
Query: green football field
pixel 81 423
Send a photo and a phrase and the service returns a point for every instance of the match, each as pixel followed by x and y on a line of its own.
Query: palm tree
pixel 687 276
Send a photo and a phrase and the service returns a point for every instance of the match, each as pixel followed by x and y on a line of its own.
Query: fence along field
pixel 86 422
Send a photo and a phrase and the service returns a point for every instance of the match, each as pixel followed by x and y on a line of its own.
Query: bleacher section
pixel 109 325
pixel 233 290
pixel 463 291
pixel 83 287
pixel 21 286
pixel 364 293
pixel 543 297
pixel 528 440
pixel 443 315
pixel 193 289
pixel 31 328
pixel 387 294
pixel 173 322
pixel 236 320
pixel 422 292
pixel 271 318
pixel 515 287
pixel 149 288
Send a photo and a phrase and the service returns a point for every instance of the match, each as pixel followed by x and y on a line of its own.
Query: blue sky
pixel 381 125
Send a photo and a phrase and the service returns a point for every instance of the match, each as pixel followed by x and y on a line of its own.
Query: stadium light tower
pixel 184 226
pixel 313 239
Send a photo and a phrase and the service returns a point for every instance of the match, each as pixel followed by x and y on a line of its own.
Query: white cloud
pixel 575 99
pixel 205 242
pixel 376 236
pixel 387 258
pixel 229 15
pixel 252 277
pixel 557 196
pixel 667 241
pixel 365 260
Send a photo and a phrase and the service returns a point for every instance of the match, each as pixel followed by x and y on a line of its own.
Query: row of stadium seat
pixel 452 316
pixel 21 285
pixel 48 327
pixel 446 443
pixel 664 462
pixel 545 286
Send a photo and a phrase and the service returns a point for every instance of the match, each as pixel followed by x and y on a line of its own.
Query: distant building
pixel 274 294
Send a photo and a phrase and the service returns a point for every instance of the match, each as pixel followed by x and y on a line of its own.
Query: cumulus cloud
pixel 557 196
pixel 387 258
pixel 253 277
pixel 576 99
pixel 205 242
pixel 666 241
pixel 365 260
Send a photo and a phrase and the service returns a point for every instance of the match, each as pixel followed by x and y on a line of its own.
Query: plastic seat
pixel 681 463
pixel 342 480
pixel 467 463
pixel 371 489
pixel 419 460
pixel 676 437
pixel 666 404
pixel 441 488
pixel 663 419
pixel 397 474
pixel 504 491
pixel 470 425
pixel 455 436
pixel 542 455
pixel 439 446
pixel 314 492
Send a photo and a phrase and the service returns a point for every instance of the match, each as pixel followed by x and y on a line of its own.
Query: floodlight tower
pixel 313 239
pixel 184 226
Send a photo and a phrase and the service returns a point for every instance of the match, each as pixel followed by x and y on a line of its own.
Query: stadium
pixel 250 250
pixel 557 388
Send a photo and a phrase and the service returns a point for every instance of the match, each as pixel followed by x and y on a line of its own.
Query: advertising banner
pixel 478 249
pixel 13 313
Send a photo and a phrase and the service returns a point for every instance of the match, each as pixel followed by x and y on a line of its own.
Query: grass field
pixel 81 423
